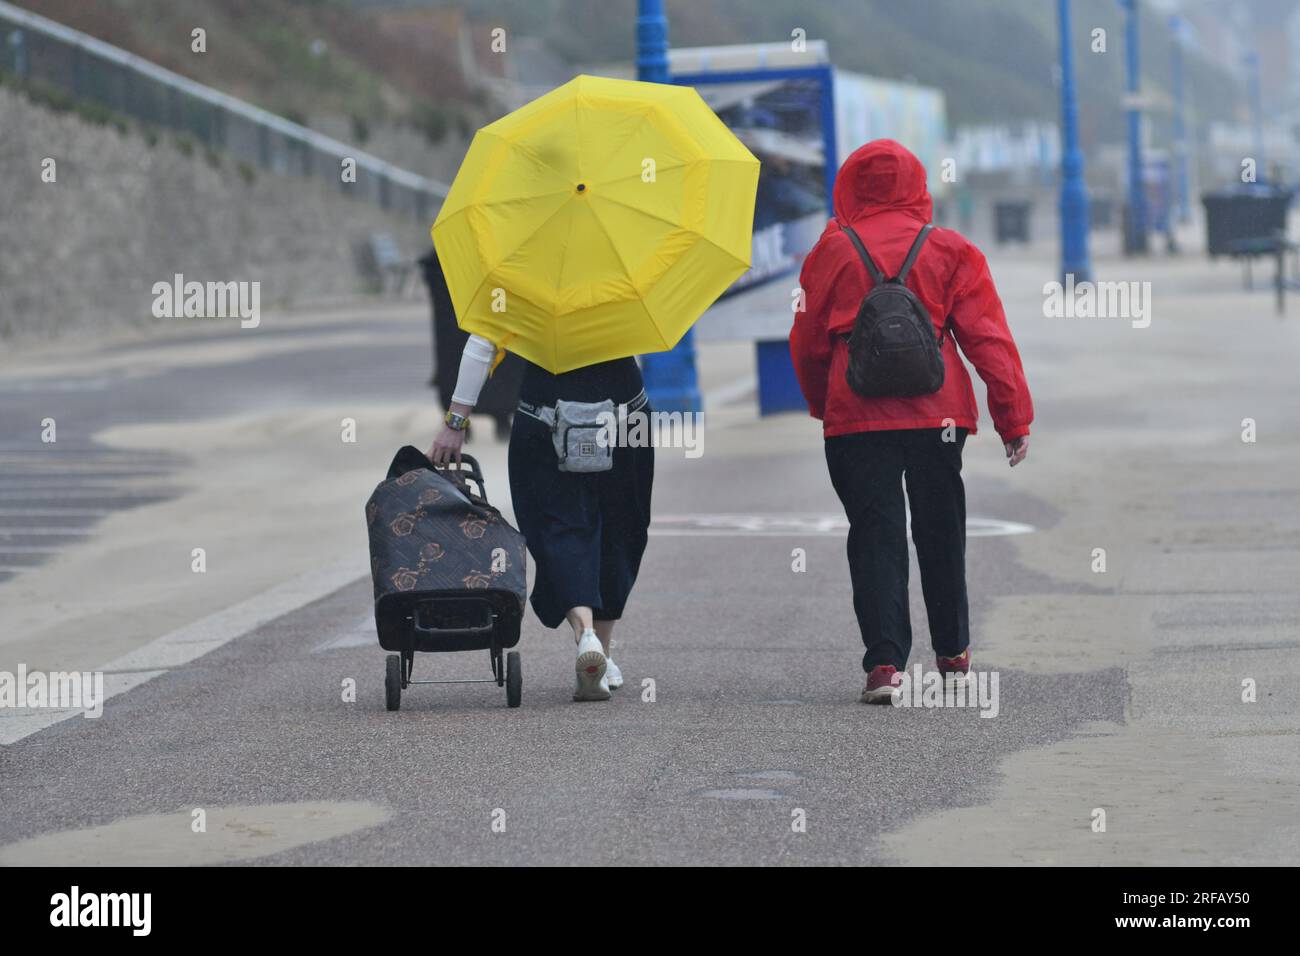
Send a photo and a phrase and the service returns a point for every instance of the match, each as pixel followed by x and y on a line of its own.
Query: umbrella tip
pixel 582 187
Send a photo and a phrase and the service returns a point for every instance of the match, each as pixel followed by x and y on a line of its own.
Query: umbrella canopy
pixel 598 221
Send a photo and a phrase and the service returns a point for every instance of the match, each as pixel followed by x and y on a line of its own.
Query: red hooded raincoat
pixel 881 192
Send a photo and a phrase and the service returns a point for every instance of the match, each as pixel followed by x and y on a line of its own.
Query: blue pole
pixel 19 42
pixel 1074 190
pixel 1256 114
pixel 1182 178
pixel 670 380
pixel 1137 202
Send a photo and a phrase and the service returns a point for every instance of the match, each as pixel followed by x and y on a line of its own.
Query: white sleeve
pixel 475 364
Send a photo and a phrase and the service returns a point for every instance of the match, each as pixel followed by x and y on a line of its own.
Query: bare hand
pixel 1017 449
pixel 446 447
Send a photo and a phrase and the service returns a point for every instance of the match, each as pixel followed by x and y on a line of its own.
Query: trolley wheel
pixel 514 679
pixel 393 682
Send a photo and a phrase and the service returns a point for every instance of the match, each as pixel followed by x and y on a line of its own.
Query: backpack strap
pixel 912 253
pixel 876 275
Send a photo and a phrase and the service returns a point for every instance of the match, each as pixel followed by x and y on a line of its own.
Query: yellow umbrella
pixel 597 222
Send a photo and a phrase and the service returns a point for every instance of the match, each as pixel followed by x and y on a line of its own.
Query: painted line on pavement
pixel 194 640
pixel 798 525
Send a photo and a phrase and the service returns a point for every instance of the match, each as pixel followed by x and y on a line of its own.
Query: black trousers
pixel 869 471
pixel 586 532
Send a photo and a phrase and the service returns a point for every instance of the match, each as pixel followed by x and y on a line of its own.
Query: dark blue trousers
pixel 586 533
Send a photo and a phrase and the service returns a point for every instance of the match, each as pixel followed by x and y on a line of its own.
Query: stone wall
pixel 129 209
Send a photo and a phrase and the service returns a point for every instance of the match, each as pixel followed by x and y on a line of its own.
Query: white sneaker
pixel 612 674
pixel 591 666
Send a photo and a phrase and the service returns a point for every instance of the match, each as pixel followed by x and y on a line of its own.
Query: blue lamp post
pixel 1074 190
pixel 1182 184
pixel 1137 202
pixel 670 380
pixel 1256 112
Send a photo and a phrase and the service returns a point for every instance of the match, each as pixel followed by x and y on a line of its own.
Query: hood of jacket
pixel 881 176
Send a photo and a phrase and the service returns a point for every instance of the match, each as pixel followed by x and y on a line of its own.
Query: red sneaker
pixel 882 685
pixel 954 668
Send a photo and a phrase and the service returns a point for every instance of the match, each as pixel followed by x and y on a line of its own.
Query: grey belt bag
pixel 580 432
pixel 576 432
pixel 583 433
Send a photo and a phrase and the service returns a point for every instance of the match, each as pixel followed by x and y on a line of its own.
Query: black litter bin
pixel 1011 220
pixel 1239 215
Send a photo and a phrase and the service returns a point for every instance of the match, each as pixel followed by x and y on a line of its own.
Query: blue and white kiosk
pixel 792 109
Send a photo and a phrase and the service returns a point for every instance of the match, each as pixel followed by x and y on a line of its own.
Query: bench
pixel 388 266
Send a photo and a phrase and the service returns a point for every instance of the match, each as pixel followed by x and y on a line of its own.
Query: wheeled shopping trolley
pixel 449 573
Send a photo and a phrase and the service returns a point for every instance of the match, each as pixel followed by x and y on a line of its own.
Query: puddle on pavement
pixel 771 775
pixel 740 793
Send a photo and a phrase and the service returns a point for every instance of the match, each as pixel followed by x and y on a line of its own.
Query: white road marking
pixel 798 525
pixel 361 634
pixel 72 494
pixel 19 530
pixel 62 464
pixel 57 385
pixel 193 640
pixel 65 481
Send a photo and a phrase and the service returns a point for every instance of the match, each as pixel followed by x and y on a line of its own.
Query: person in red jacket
pixel 876 446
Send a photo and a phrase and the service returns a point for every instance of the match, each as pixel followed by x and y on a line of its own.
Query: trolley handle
pixel 461 474
pixel 484 629
pixel 479 631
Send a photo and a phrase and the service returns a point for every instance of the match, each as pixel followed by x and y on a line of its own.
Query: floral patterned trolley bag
pixel 449 571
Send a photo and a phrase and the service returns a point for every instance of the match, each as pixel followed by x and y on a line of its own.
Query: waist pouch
pixel 583 433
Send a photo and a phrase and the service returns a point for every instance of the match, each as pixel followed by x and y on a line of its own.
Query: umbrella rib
pixel 698 235
pixel 512 199
pixel 627 272
pixel 555 324
pixel 647 213
pixel 726 252
pixel 629 136
pixel 658 169
pixel 600 222
pixel 532 154
pixel 487 274
pixel 522 147
pixel 522 242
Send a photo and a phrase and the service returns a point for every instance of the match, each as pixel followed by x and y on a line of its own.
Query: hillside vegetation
pixel 994 59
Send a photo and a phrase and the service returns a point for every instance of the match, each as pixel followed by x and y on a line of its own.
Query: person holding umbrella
pixel 592 225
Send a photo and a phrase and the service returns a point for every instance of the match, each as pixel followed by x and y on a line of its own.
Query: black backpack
pixel 892 348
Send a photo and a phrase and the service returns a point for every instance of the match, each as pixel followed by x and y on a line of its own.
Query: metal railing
pixel 38 49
